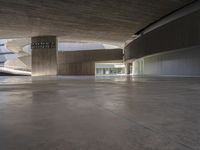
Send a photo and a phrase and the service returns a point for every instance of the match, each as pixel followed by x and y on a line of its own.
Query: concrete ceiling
pixel 108 21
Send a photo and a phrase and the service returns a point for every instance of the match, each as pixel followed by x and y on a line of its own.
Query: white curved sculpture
pixel 14 72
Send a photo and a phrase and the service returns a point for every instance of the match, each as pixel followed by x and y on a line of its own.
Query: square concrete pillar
pixel 44 55
pixel 128 69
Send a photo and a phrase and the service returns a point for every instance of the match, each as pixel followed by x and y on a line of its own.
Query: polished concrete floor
pixel 102 113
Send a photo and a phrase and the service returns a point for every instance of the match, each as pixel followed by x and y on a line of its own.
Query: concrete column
pixel 128 68
pixel 44 55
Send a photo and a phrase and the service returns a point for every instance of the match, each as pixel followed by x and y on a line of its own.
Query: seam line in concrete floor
pixel 141 125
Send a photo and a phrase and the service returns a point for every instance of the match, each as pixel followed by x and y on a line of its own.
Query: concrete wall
pixel 169 49
pixel 67 62
pixel 44 59
pixel 83 62
pixel 90 55
pixel 180 33
pixel 183 62
pixel 77 68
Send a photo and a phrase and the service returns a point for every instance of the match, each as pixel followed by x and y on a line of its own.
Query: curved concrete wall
pixel 183 62
pixel 180 33
pixel 170 49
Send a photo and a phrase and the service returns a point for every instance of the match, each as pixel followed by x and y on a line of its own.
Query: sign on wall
pixel 41 45
pixel 44 42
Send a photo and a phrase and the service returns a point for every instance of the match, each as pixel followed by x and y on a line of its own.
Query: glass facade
pixel 110 69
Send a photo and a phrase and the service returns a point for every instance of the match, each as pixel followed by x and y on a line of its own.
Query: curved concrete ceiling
pixel 108 21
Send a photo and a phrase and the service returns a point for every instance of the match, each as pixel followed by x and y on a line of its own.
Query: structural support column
pixel 128 68
pixel 44 55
